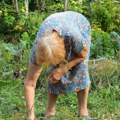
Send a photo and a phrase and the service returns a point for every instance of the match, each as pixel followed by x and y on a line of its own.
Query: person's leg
pixel 82 101
pixel 50 110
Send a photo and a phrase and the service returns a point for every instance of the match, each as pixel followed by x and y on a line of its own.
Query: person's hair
pixel 50 49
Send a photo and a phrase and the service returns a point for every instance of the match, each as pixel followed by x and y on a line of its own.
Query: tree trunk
pixel 90 10
pixel 43 4
pixel 26 7
pixel 13 3
pixel 38 6
pixel 65 5
pixel 16 6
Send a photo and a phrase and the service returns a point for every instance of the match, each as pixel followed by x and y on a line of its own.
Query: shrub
pixel 115 40
pixel 14 60
pixel 107 15
pixel 101 44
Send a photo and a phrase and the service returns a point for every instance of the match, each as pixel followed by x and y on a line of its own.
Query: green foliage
pixel 21 29
pixel 6 21
pixel 9 21
pixel 53 2
pixel 56 7
pixel 106 14
pixel 103 16
pixel 32 25
pixel 74 5
pixel 115 40
pixel 7 24
pixel 25 36
pixel 11 62
pixel 11 100
pixel 101 44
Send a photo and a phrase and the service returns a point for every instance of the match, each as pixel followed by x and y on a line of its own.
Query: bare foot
pixel 82 112
pixel 49 114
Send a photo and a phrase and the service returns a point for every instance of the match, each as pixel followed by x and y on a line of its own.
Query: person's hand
pixel 56 75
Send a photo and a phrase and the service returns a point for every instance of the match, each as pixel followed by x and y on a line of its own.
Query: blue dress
pixel 75 29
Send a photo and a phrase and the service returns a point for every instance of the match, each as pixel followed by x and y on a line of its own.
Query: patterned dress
pixel 75 29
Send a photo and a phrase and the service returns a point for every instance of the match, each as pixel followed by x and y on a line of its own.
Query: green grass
pixel 103 101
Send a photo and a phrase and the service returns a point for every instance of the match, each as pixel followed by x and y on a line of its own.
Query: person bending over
pixel 63 43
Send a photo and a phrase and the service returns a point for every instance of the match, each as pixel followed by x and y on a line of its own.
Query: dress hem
pixel 71 91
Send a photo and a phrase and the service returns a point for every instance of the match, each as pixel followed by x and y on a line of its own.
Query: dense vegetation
pixel 18 28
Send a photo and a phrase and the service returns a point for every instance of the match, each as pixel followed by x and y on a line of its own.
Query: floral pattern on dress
pixel 75 29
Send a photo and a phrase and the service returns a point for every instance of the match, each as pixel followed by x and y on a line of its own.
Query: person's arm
pixel 29 87
pixel 81 57
pixel 59 72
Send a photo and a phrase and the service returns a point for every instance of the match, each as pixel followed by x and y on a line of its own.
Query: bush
pixel 115 40
pixel 14 60
pixel 32 25
pixel 107 15
pixel 101 44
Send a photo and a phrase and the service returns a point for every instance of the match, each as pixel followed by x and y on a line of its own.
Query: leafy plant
pixel 115 40
pixel 31 27
pixel 106 14
pixel 75 6
pixel 101 44
pixel 11 62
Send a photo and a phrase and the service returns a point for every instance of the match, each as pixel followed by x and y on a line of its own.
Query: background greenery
pixel 17 33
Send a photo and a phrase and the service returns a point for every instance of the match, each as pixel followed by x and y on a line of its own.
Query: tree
pixel 65 5
pixel 43 4
pixel 38 6
pixel 13 2
pixel 26 7
pixel 90 10
pixel 16 6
